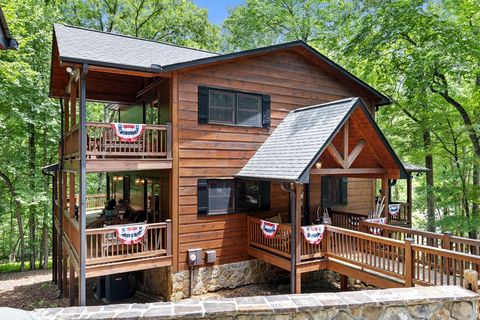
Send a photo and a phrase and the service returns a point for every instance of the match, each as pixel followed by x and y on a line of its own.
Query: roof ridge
pixel 324 104
pixel 134 38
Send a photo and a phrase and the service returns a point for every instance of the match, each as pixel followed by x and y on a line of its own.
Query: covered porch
pixel 314 153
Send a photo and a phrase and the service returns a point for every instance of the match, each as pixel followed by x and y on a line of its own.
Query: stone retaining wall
pixel 405 303
pixel 214 278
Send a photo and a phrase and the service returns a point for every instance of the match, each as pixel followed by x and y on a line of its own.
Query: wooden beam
pixel 100 69
pixel 71 285
pixel 409 201
pixel 73 104
pixel 375 279
pixel 336 155
pixel 385 195
pixel 298 235
pixel 355 152
pixel 345 141
pixel 346 172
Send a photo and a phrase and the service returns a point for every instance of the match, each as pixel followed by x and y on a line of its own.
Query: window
pixel 334 191
pixel 216 106
pixel 217 196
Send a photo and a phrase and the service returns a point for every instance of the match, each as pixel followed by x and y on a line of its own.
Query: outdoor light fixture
pixel 69 70
pixel 318 165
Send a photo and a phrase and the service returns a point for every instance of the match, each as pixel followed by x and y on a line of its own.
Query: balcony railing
pixel 103 246
pixel 102 142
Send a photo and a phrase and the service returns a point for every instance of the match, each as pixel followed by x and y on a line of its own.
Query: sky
pixel 217 9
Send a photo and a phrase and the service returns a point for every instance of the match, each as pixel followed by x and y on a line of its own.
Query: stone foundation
pixel 403 304
pixel 214 278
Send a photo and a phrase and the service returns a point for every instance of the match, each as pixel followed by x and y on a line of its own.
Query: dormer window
pixel 228 107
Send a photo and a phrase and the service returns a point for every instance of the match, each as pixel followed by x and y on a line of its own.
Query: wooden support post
pixel 71 284
pixel 59 261
pixel 169 141
pixel 67 114
pixel 169 237
pixel 409 201
pixel 71 195
pixel 343 282
pixel 73 104
pixel 446 244
pixel 385 195
pixel 409 263
pixel 298 235
pixel 82 178
pixel 64 271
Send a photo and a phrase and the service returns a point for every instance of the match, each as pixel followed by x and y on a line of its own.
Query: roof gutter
pixel 154 68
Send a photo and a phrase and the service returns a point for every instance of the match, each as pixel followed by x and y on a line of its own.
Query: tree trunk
pixel 475 202
pixel 427 143
pixel 18 206
pixel 31 215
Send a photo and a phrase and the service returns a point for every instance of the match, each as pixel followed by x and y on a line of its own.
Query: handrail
pixel 403 259
pixel 155 142
pixel 103 246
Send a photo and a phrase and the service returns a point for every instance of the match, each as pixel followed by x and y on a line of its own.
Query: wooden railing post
pixel 169 140
pixel 361 226
pixel 325 241
pixel 169 237
pixel 446 240
pixel 408 263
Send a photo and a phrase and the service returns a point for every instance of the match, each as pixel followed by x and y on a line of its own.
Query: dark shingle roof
pixel 410 167
pixel 108 49
pixel 297 143
pixel 80 45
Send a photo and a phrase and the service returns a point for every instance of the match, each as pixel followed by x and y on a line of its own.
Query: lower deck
pixel 383 260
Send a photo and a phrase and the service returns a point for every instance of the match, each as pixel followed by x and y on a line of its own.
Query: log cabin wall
pixel 212 151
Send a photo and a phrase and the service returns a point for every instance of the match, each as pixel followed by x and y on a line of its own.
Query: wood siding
pixel 211 151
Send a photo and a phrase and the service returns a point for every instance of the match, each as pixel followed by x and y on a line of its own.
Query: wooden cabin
pixel 220 143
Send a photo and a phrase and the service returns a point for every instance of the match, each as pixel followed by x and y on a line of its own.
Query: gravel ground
pixel 29 290
pixel 33 289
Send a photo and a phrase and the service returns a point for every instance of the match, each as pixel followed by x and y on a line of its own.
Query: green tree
pixel 174 21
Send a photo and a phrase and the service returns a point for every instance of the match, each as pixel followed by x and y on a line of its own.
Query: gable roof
pixel 79 45
pixel 6 40
pixel 297 143
pixel 113 50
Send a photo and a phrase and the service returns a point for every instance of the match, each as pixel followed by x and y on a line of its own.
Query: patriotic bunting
pixel 313 234
pixel 269 229
pixel 128 132
pixel 375 230
pixel 394 209
pixel 131 234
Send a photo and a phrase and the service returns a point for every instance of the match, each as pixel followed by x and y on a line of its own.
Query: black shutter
pixel 343 190
pixel 325 192
pixel 265 195
pixel 202 196
pixel 202 105
pixel 266 111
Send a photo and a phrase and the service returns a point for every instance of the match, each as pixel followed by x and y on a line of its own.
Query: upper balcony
pixel 105 151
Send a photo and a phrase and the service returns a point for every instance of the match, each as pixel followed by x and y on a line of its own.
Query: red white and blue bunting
pixel 375 230
pixel 128 132
pixel 394 209
pixel 131 234
pixel 269 229
pixel 313 234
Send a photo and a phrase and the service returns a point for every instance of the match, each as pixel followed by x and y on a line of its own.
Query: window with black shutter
pixel 334 191
pixel 222 196
pixel 220 106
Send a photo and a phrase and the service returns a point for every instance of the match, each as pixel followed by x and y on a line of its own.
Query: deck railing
pixel 280 244
pixel 407 260
pixel 437 240
pixel 155 142
pixel 103 246
pixel 403 214
pixel 346 220
pixel 94 201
